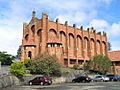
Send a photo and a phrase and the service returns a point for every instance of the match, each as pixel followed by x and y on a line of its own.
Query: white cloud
pixel 78 18
pixel 73 4
pixel 102 25
pixel 99 24
pixel 115 29
pixel 10 39
pixel 11 28
pixel 67 4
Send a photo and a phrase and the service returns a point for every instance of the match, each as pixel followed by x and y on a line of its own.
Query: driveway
pixel 72 86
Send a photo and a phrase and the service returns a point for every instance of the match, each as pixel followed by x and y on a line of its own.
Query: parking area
pixel 72 86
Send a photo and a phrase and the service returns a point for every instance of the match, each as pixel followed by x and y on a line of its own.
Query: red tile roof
pixel 114 55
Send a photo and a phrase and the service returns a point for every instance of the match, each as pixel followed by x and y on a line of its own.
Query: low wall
pixel 63 79
pixel 8 80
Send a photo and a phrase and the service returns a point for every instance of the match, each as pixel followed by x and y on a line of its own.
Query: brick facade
pixel 115 58
pixel 70 44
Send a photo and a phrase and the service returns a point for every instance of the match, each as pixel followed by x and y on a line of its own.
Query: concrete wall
pixel 8 80
pixel 63 79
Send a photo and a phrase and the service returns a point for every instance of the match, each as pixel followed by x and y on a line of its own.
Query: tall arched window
pixel 63 39
pixel 39 33
pixel 26 37
pixel 33 30
pixel 92 45
pixel 79 44
pixel 71 41
pixel 30 54
pixel 103 47
pixel 86 46
pixel 86 43
pixel 98 47
pixel 52 35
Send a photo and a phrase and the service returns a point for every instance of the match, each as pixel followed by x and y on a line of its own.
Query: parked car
pixel 101 78
pixel 41 80
pixel 118 77
pixel 113 77
pixel 82 79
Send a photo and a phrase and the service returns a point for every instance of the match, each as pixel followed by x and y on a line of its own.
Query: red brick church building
pixel 70 44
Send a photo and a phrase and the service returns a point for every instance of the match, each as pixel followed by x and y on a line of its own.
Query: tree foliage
pixel 19 52
pixel 17 69
pixel 6 59
pixel 100 63
pixel 109 46
pixel 45 64
pixel 75 66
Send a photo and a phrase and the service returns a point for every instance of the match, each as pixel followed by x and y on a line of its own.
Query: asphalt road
pixel 72 86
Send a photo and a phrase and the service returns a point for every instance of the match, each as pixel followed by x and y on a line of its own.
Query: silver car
pixel 101 78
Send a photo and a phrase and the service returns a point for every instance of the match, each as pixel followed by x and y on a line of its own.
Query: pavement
pixel 71 86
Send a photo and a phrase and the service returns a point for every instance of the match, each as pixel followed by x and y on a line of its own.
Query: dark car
pixel 82 79
pixel 118 77
pixel 113 77
pixel 41 80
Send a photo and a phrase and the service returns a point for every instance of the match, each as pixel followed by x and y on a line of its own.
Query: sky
pixel 103 15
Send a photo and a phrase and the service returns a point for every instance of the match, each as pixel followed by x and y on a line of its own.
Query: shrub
pixel 45 64
pixel 17 69
pixel 76 66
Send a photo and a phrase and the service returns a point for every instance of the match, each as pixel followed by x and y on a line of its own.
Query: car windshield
pixel 98 76
pixel 80 76
pixel 110 75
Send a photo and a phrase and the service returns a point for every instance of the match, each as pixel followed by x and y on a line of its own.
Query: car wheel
pixel 30 83
pixel 73 81
pixel 41 83
pixel 50 82
pixel 84 81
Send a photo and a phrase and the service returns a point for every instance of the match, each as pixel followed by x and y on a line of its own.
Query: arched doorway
pixel 30 54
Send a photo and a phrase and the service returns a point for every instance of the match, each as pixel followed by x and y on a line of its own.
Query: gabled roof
pixel 114 55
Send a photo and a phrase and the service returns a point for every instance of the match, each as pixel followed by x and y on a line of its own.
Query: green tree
pixel 17 69
pixel 19 52
pixel 109 46
pixel 45 64
pixel 6 59
pixel 100 63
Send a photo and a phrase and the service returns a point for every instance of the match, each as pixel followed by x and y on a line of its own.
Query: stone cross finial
pixel 74 25
pixel 66 22
pixel 33 14
pixel 57 20
pixel 81 27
